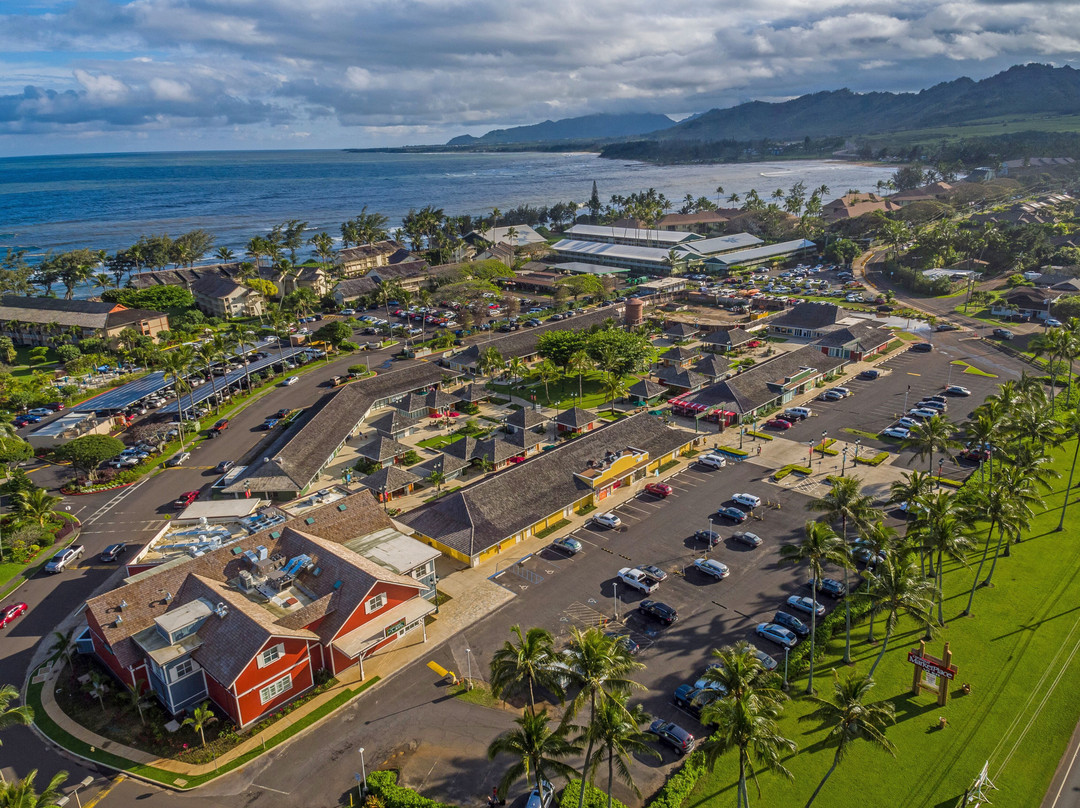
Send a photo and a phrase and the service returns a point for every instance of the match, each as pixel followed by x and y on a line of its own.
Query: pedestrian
pixel 759 450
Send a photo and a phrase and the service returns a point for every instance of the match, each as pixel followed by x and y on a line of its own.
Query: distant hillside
pixel 587 127
pixel 1032 89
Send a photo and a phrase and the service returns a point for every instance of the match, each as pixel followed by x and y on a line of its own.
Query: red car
pixel 779 423
pixel 9 613
pixel 658 489
pixel 186 499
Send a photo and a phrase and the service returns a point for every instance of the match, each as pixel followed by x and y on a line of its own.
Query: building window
pixel 271 655
pixel 375 603
pixel 185 668
pixel 275 689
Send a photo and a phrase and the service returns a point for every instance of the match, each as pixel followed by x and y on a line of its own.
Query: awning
pixel 385 625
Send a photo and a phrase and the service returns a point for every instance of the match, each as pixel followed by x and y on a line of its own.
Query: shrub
pixel 594 797
pixel 680 784
pixel 384 786
pixel 67 352
pixel 788 469
pixel 876 460
pixel 410 458
pixel 761 435
pixel 470 409
pixel 348 345
pixel 357 369
pixel 365 466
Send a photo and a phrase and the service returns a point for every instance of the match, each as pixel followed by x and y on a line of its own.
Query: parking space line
pixel 631 507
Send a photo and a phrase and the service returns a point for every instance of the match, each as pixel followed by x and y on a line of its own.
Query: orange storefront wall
pixel 222 698
pixel 395 594
pixel 251 706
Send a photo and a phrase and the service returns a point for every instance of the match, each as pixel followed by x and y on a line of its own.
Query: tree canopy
pixel 155 298
pixel 89 451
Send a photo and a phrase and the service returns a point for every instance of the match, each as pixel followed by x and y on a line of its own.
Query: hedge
pixel 594 797
pixel 832 626
pixel 948 483
pixel 823 446
pixel 680 784
pixel 876 460
pixel 734 452
pixel 788 469
pixel 383 784
pixel 759 435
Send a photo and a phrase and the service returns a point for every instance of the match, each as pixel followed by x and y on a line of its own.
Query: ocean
pixel 106 202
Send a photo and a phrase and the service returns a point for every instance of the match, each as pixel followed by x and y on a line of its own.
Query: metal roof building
pixel 761 255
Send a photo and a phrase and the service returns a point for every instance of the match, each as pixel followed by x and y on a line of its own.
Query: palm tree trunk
pixel 741 796
pixel 1068 488
pixel 588 752
pixel 884 644
pixel 813 639
pixel 978 572
pixel 610 776
pixel 870 636
pixel 997 553
pixel 847 617
pixel 532 698
pixel 828 774
pixel 940 596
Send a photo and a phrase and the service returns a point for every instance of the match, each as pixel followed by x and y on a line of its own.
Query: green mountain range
pixel 1023 90
pixel 586 127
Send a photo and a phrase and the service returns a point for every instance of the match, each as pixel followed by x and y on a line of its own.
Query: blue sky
pixel 143 75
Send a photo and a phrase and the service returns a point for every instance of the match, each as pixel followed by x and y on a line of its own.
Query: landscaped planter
pixel 71 492
pixel 734 454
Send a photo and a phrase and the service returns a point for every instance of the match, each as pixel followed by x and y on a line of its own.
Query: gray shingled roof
pixel 679 353
pixel 80 313
pixel 677 377
pixel 355 287
pixel 861 336
pixel 522 438
pixel 442 463
pixel 681 329
pixel 712 366
pixel 472 393
pixel 576 417
pixel 730 337
pixel 494 449
pixel 809 315
pixel 293 464
pixel 525 418
pixel 750 389
pixel 217 286
pixel 646 388
pixel 393 422
pixel 382 449
pixel 390 478
pixel 479 516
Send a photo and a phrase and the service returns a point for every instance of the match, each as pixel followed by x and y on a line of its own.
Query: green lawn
pixel 563 393
pixel 974 371
pixel 1019 652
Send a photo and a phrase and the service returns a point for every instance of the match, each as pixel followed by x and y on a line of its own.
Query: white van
pixel 798 412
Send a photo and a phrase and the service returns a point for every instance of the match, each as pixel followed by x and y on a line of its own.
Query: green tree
pixel 39 507
pixel 935 434
pixel 201 717
pixel 737 672
pixel 529 663
pixel 22 793
pixel 560 346
pixel 599 666
pixel 897 587
pixel 617 351
pixel 616 733
pixel 546 372
pixel 13 451
pixel 820 545
pixel 850 718
pixel 845 502
pixel 614 387
pixel 90 451
pixel 11 715
pixel 7 351
pixel 97 686
pixel 333 334
pixel 580 363
pixel 749 725
pixel 436 478
pixel 537 749
pixel 490 362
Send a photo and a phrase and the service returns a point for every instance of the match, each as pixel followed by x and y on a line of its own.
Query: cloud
pixel 340 72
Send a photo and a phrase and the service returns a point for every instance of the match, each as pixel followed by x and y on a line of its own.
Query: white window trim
pixel 276 688
pixel 277 650
pixel 176 676
pixel 381 598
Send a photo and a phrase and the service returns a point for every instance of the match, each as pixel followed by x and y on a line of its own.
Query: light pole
pixel 906 393
pixel 468 661
pixel 940 463
pixel 363 775
pixel 858 443
pixel 708 538
pixel 843 461
pixel 742 431
pixel 786 649
pixel 810 461
pixel 86 781
pixel 615 589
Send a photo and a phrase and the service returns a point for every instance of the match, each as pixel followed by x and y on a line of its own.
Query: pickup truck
pixel 637 579
pixel 64 557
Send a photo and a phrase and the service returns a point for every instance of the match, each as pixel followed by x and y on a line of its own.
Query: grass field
pixel 1019 653
pixel 983 128
pixel 974 371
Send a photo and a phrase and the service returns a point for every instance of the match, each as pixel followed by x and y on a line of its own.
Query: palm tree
pixel 132 694
pixel 13 716
pixel 530 662
pixel 851 719
pixel 537 749
pixel 935 434
pixel 1053 343
pixel 897 587
pixel 490 362
pixel 738 672
pixel 39 506
pixel 580 363
pixel 224 255
pixel 996 507
pixel 1022 497
pixel 1070 422
pixel 516 368
pixel 546 372
pixel 616 732
pixel 97 686
pixel 614 387
pixel 820 545
pixel 208 354
pixel 21 793
pixel 201 717
pixel 598 665
pixel 749 725
pixel 846 502
pixel 63 646
pixel 943 531
pixel 176 363
pixel 436 478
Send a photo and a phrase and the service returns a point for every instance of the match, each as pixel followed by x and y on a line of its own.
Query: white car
pixel 710 566
pixel 896 432
pixel 749 500
pixel 637 579
pixel 713 461
pixel 289 382
pixel 1052 322
pixel 608 519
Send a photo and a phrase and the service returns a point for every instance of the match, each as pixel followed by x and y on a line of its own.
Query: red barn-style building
pixel 250 625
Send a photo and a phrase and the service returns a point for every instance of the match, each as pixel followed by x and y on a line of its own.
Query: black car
pixel 922 347
pixel 673 735
pixel 658 611
pixel 792 623
pixel 632 648
pixel 113 552
pixel 693 699
pixel 870 375
pixel 831 587
pixel 711 536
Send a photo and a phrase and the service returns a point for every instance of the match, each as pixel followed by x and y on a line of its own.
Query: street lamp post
pixel 742 431
pixel 362 787
pixel 843 461
pixel 468 660
pixel 615 590
pixel 858 443
pixel 940 463
pixel 786 667
pixel 824 432
pixel 810 461
pixel 906 393
pixel 86 781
